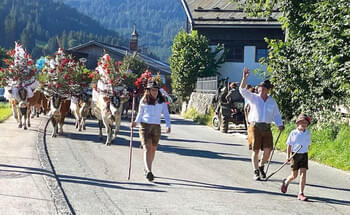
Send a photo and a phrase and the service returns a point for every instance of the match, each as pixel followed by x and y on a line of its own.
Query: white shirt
pixel 299 138
pixel 151 114
pixel 260 110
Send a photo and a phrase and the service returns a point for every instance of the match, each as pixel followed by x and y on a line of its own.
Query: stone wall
pixel 201 102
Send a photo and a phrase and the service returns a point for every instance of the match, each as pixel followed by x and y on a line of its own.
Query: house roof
pixel 224 13
pixel 154 64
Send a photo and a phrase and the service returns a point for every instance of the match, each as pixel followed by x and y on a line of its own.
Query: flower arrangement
pixel 107 75
pixel 141 82
pixel 20 70
pixel 63 75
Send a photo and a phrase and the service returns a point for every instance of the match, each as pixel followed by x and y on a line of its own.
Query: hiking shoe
pixel 150 176
pixel 262 173
pixel 302 197
pixel 256 175
pixel 284 186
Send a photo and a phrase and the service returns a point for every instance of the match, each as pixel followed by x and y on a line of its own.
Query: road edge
pixel 58 196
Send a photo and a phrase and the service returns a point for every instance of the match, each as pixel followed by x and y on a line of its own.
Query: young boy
pixel 298 137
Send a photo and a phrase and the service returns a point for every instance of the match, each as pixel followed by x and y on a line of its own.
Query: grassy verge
pixel 204 119
pixel 5 111
pixel 329 146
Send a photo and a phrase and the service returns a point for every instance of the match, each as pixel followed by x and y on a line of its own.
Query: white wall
pixel 233 70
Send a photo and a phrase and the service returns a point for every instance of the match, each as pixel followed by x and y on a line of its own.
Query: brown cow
pixel 59 108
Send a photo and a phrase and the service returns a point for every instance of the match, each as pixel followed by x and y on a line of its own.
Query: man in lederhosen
pixel 263 111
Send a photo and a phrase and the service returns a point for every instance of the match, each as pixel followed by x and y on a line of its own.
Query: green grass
pixel 203 119
pixel 330 146
pixel 5 111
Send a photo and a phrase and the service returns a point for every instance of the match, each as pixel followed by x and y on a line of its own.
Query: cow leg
pixel 61 122
pixel 14 113
pixel 27 115
pixel 117 125
pixel 109 135
pixel 100 128
pixel 82 123
pixel 19 119
pixel 55 128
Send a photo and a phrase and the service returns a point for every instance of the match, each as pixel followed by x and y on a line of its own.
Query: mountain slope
pixel 157 21
pixel 36 24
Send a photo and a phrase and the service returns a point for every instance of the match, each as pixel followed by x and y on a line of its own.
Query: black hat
pixel 267 84
pixel 152 84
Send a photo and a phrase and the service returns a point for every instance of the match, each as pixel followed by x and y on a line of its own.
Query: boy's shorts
pixel 300 161
pixel 259 136
pixel 149 132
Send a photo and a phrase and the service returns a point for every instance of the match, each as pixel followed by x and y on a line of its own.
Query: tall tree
pixel 192 58
pixel 311 69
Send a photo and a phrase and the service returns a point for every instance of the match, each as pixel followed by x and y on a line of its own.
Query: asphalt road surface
pixel 197 171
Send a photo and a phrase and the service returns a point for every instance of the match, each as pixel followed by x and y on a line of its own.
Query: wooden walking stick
pixel 285 163
pixel 131 132
pixel 273 150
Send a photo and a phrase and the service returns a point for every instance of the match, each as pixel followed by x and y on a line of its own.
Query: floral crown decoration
pixel 107 74
pixel 141 82
pixel 20 69
pixel 63 75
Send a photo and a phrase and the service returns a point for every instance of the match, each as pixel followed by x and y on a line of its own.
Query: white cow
pixel 107 110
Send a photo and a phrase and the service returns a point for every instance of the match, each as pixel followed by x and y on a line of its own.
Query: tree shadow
pixel 199 153
pixel 198 141
pixel 196 184
pixel 80 180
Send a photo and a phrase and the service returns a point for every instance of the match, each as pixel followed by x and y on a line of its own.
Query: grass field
pixel 5 111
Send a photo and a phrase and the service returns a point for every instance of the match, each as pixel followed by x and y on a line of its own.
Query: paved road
pixel 198 171
pixel 23 187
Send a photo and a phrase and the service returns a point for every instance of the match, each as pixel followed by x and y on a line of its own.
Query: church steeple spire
pixel 134 40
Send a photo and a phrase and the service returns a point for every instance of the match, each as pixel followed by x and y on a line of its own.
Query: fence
pixel 207 85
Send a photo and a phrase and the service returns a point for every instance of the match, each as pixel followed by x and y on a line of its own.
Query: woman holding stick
pixel 152 105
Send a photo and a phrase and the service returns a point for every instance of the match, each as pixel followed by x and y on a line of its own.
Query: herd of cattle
pixel 106 108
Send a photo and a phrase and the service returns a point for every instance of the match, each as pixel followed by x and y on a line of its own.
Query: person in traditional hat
pixel 263 111
pixel 152 105
pixel 299 137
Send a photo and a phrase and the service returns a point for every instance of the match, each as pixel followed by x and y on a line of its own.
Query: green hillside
pixel 157 21
pixel 37 25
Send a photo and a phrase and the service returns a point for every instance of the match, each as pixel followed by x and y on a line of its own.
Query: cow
pixel 80 108
pixel 107 109
pixel 59 108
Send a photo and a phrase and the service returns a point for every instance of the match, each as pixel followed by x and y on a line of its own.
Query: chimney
pixel 134 40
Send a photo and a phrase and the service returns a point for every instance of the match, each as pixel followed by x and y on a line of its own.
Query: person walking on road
pixel 152 105
pixel 263 111
pixel 299 137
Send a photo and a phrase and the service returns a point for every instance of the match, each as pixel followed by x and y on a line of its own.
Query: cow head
pixel 55 105
pixel 23 101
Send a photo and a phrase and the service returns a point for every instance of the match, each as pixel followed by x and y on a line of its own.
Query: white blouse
pixel 151 114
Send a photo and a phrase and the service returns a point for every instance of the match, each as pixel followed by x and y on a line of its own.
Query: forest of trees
pixel 157 21
pixel 38 24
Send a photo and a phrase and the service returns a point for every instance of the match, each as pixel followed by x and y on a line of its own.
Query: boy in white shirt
pixel 299 137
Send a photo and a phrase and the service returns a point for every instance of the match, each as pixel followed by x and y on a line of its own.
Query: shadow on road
pixel 196 184
pixel 76 179
pixel 197 141
pixel 106 183
pixel 199 153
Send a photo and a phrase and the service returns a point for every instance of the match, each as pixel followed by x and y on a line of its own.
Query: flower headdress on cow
pixel 20 71
pixel 144 79
pixel 64 76
pixel 107 76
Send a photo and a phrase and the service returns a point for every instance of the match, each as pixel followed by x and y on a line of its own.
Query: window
pixel 234 53
pixel 259 53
